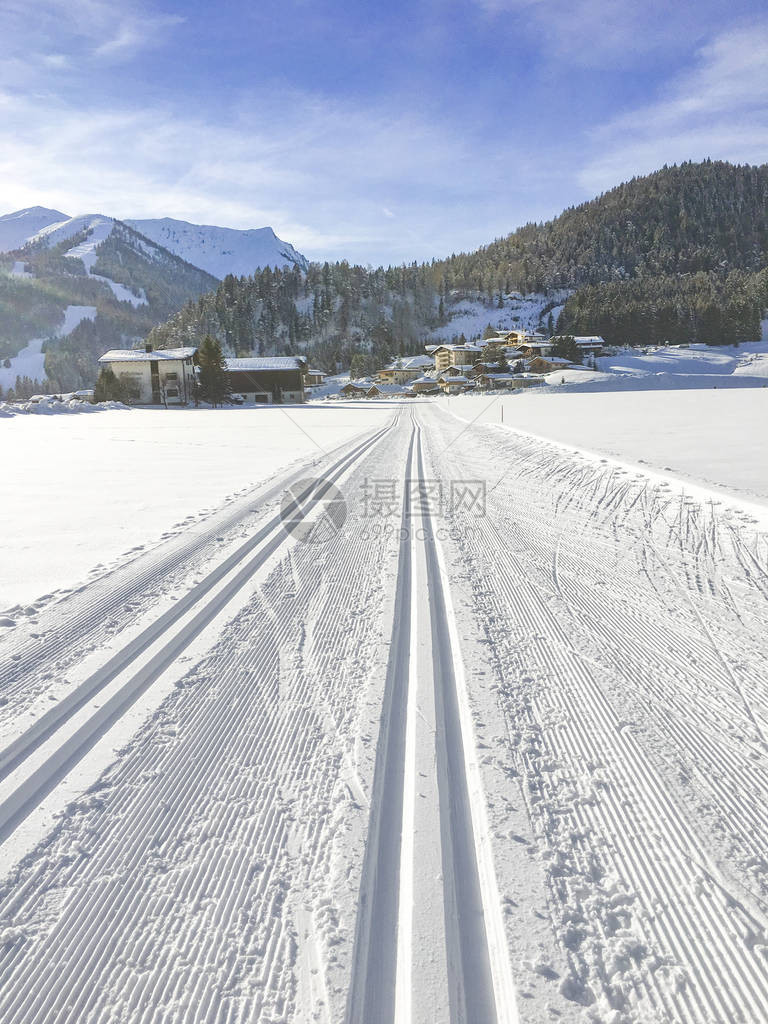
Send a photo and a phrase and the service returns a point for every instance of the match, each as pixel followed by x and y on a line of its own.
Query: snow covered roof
pixel 139 355
pixel 503 376
pixel 555 360
pixel 410 363
pixel 461 379
pixel 468 346
pixel 590 339
pixel 388 389
pixel 266 363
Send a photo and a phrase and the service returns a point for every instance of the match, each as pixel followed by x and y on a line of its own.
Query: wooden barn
pixel 272 380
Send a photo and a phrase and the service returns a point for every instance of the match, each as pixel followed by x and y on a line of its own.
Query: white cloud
pixel 325 175
pixel 60 32
pixel 719 109
pixel 606 33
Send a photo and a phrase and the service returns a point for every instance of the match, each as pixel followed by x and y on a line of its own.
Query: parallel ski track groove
pixel 237 864
pixel 728 979
pixel 69 627
pixel 104 718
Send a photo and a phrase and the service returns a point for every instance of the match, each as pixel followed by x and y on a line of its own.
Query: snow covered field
pixel 716 438
pixel 486 738
pixel 78 491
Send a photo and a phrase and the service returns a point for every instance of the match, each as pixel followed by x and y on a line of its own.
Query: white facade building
pixel 161 377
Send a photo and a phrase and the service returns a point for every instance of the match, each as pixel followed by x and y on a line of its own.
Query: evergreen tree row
pixel 672 256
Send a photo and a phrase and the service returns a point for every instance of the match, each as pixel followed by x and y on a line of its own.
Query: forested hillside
pixel 33 302
pixel 673 256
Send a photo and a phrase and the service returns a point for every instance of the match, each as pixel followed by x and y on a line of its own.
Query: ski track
pixel 622 668
pixel 301 831
pixel 178 908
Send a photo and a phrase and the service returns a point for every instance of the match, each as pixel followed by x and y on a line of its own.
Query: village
pixel 503 360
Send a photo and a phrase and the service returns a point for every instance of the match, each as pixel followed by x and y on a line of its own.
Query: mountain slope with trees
pixel 33 304
pixel 678 256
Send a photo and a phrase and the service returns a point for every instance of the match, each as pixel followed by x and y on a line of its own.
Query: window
pixel 172 392
pixel 171 376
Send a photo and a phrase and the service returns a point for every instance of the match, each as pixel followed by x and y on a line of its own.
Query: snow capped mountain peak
pixel 18 227
pixel 59 231
pixel 221 251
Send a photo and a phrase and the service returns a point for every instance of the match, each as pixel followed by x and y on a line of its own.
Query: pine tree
pixel 213 380
pixel 109 387
pixel 565 347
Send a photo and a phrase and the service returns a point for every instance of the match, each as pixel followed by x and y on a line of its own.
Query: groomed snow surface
pixel 483 739
pixel 101 485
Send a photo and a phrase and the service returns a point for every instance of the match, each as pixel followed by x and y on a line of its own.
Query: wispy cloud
pixel 606 33
pixel 718 109
pixel 324 174
pixel 60 32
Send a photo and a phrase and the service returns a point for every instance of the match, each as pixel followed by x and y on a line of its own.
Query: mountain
pixel 17 228
pixel 678 256
pixel 221 251
pixel 217 251
pixel 72 287
pixel 81 286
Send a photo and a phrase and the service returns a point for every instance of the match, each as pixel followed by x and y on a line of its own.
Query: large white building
pixel 164 376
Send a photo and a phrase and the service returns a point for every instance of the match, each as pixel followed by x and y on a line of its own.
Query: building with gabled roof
pixel 268 380
pixel 406 369
pixel 455 355
pixel 154 377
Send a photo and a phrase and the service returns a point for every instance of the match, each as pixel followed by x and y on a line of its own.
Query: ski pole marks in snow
pixel 219 869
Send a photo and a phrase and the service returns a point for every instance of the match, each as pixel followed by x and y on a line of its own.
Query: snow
pixel 220 251
pixel 18 228
pixel 715 437
pixel 30 361
pixel 470 317
pixel 498 760
pixel 84 489
pixel 100 228
pixel 266 363
pixel 127 355
pixel 667 368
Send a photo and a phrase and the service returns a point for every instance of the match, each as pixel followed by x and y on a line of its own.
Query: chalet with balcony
pixel 154 377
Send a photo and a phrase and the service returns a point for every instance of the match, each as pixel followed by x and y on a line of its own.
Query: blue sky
pixel 378 133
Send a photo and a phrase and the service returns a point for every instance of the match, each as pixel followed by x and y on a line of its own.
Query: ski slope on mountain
pixel 221 251
pixel 18 228
pixel 30 362
pixel 217 250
